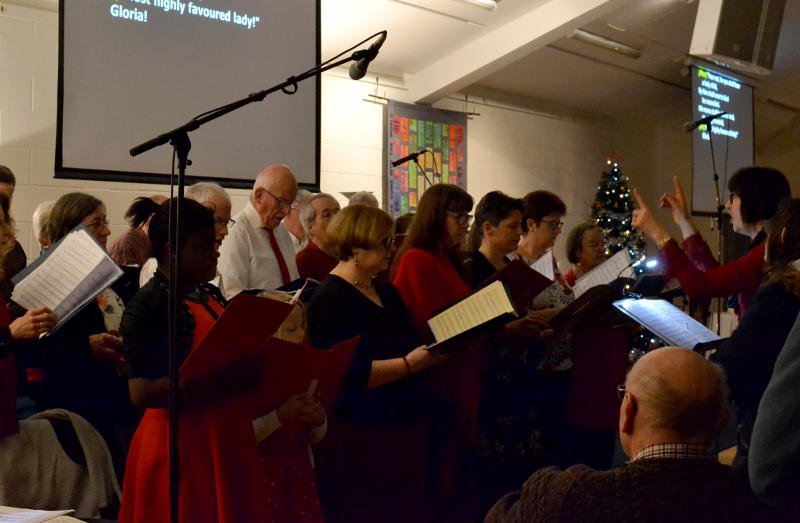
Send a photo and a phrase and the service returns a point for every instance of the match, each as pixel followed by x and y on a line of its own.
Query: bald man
pixel 673 407
pixel 259 253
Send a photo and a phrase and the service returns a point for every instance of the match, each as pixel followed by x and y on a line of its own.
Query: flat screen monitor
pixel 715 91
pixel 130 70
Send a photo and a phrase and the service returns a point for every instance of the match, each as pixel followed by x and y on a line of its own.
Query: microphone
pixel 359 68
pixel 691 126
pixel 412 156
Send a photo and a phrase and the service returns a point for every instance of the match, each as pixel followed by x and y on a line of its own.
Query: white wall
pixel 509 149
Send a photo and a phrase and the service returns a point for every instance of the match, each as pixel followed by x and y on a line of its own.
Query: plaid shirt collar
pixel 675 451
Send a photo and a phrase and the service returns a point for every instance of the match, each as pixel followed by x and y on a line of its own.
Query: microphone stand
pixel 179 139
pixel 720 208
pixel 424 174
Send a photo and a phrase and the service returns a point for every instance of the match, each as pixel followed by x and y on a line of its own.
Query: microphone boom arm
pixel 202 119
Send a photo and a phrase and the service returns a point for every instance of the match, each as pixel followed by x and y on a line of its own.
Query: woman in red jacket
pixel 755 193
pixel 427 273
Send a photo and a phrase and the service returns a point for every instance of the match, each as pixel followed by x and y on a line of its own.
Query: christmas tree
pixel 613 210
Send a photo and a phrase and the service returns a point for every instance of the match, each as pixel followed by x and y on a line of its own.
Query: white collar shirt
pixel 246 258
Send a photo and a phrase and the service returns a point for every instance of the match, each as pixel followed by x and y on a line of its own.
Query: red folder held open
pixel 289 368
pixel 242 330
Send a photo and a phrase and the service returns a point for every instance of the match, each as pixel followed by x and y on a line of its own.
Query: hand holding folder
pixel 289 369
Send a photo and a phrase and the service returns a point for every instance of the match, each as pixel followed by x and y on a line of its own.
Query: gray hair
pixel 202 192
pixel 365 198
pixel 41 217
pixel 303 195
pixel 307 214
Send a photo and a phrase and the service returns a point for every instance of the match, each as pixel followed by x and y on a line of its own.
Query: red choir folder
pixel 289 369
pixel 242 330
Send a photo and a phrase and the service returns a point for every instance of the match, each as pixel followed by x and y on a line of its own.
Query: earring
pixel 355 257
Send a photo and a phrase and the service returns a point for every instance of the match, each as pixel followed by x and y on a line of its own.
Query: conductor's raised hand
pixel 644 220
pixel 676 202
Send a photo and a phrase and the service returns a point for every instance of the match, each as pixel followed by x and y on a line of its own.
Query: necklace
pixel 360 285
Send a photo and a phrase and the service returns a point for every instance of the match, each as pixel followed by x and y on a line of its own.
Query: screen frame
pixel 75 173
pixel 696 63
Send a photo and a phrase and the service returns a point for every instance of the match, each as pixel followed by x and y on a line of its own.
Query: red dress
pixel 703 278
pixel 221 480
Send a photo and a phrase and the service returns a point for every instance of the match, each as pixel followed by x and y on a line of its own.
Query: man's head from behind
pixel 274 193
pixel 673 395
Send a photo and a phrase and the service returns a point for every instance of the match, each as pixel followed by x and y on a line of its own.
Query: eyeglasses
pixel 221 222
pixel 283 204
pixel 386 243
pixel 461 217
pixel 621 391
pixel 554 226
pixel 98 223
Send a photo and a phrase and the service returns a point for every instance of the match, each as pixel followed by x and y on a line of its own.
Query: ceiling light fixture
pixel 605 43
pixel 491 5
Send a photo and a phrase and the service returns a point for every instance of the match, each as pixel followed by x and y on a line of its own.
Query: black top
pixel 145 325
pixel 338 312
pixel 749 355
pixel 478 269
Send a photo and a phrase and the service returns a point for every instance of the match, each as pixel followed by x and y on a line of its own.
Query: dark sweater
pixel 647 490
pixel 749 355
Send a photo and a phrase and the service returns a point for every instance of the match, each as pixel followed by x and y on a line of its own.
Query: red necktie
pixel 273 242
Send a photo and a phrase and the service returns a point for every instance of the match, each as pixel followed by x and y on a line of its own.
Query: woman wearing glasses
pixel 82 361
pixel 586 249
pixel 756 193
pixel 599 360
pixel 428 274
pixel 372 465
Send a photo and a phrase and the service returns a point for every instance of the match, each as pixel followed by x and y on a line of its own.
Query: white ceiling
pixel 536 65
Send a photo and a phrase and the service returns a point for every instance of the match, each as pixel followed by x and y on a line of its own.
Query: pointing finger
pixel 678 188
pixel 639 199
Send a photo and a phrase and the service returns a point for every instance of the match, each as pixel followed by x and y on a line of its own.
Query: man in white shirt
pixel 259 253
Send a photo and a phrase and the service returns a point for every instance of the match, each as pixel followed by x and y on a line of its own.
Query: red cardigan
pixel 703 278
pixel 313 262
pixel 427 283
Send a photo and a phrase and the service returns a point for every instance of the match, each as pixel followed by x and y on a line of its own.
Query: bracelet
pixel 663 242
pixel 408 366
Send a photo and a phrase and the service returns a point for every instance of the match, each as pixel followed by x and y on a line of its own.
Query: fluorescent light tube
pixel 605 43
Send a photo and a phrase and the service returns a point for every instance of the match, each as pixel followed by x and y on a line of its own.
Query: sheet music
pixel 667 322
pixel 50 285
pixel 77 270
pixel 544 265
pixel 486 304
pixel 606 272
pixel 19 515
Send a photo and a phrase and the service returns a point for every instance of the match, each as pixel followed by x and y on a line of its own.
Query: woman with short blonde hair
pixel 375 455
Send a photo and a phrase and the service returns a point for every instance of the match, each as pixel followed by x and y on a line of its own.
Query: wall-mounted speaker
pixel 738 34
